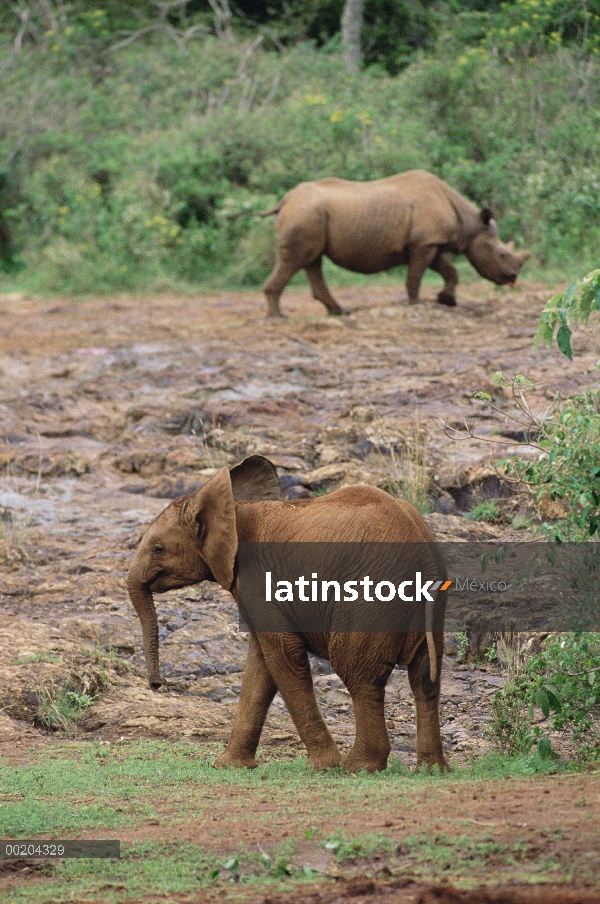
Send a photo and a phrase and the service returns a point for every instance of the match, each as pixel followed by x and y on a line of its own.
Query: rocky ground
pixel 109 408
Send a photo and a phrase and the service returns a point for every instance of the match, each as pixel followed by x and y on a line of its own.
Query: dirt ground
pixel 109 408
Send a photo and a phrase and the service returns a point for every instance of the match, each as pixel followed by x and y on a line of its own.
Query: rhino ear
pixel 487 215
pixel 211 514
pixel 524 255
pixel 255 478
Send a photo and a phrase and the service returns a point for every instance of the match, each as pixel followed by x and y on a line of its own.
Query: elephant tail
pixel 429 614
pixel 432 656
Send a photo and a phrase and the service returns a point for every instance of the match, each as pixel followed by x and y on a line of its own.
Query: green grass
pixel 168 869
pixel 75 789
pixel 28 658
pixel 488 510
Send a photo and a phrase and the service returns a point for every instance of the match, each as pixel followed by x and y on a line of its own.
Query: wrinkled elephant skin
pixel 197 537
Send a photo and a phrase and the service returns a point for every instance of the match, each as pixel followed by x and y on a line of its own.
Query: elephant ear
pixel 255 478
pixel 211 514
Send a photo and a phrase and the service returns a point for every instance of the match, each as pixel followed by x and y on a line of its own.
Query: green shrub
pixel 122 165
pixel 569 470
pixel 562 683
pixel 564 311
pixel 488 510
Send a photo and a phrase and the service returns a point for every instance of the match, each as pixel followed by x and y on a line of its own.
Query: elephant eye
pixel 158 549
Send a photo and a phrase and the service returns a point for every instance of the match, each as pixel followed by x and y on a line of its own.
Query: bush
pixel 564 311
pixel 569 470
pixel 563 684
pixel 119 176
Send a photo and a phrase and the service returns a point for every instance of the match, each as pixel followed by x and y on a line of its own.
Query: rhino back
pixel 371 224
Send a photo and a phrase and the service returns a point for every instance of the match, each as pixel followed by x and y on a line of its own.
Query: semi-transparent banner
pixel 347 587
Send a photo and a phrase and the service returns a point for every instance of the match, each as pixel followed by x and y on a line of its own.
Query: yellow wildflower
pixel 313 99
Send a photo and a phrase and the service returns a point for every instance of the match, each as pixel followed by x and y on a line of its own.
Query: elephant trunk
pixel 143 602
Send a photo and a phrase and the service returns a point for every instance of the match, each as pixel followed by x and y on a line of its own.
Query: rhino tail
pixel 253 213
pixel 269 212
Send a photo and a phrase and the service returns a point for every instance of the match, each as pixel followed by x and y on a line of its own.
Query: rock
pixel 329 455
pixel 321 477
pixel 361 414
pixel 445 504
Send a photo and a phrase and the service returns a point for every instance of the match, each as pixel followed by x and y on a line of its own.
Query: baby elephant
pixel 197 538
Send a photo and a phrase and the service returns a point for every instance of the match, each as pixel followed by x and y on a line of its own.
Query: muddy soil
pixel 111 407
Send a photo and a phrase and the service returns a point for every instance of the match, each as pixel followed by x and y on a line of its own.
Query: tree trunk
pixel 351 27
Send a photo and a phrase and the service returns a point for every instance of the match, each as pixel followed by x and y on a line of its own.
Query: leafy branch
pixel 564 311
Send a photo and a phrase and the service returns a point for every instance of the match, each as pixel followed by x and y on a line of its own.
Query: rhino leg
pixel 420 257
pixel 444 266
pixel 319 288
pixel 278 280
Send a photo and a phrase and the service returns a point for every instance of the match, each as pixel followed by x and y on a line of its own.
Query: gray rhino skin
pixel 413 218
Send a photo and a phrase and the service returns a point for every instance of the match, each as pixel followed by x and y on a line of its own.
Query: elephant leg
pixel 364 662
pixel 276 283
pixel 287 660
pixel 444 266
pixel 320 290
pixel 427 700
pixel 420 257
pixel 258 690
pixel 371 746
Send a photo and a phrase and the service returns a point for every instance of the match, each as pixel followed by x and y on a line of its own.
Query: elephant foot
pixel 446 298
pixel 427 764
pixel 226 759
pixel 355 762
pixel 276 314
pixel 339 312
pixel 326 760
pixel 413 300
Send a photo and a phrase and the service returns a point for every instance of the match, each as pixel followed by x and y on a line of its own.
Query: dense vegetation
pixel 131 132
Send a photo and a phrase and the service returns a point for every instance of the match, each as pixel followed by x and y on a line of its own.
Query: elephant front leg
pixel 427 699
pixel 287 661
pixel 258 690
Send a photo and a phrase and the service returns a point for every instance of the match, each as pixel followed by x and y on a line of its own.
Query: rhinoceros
pixel 413 218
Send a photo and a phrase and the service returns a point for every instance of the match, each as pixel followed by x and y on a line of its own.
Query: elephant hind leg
pixel 364 664
pixel 371 747
pixel 320 290
pixel 427 700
